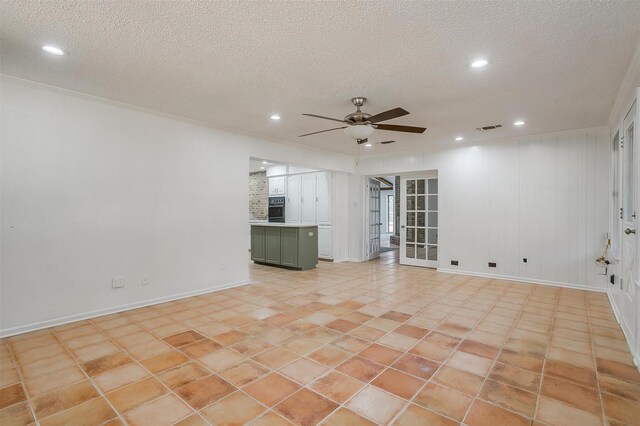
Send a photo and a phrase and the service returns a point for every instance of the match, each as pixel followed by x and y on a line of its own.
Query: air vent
pixel 491 127
pixel 387 142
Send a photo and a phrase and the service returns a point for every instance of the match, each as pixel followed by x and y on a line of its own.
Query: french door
pixel 630 297
pixel 419 221
pixel 373 240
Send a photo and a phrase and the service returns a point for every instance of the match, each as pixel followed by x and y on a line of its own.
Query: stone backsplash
pixel 258 196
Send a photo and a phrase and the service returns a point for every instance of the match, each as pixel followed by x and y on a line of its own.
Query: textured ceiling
pixel 556 64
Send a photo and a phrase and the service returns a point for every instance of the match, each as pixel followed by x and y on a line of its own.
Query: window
pixel 390 213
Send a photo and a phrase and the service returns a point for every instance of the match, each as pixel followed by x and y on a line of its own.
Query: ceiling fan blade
pixel 388 115
pixel 396 128
pixel 386 142
pixel 361 141
pixel 322 131
pixel 325 118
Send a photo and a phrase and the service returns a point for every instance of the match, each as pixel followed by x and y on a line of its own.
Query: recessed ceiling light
pixel 519 123
pixel 264 162
pixel 368 145
pixel 275 117
pixel 53 50
pixel 261 168
pixel 459 138
pixel 479 63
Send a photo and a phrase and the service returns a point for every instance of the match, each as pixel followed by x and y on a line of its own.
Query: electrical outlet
pixel 145 281
pixel 117 282
pixel 223 266
pixel 492 264
pixel 524 260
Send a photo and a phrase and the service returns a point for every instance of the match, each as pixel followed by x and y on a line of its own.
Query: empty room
pixel 319 213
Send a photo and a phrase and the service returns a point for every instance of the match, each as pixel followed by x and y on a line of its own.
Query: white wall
pixel 542 197
pixel 92 190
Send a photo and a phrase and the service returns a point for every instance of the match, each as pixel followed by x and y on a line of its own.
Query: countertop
pixel 283 225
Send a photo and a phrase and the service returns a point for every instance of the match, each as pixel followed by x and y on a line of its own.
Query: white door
pixel 629 281
pixel 309 198
pixel 373 245
pixel 293 207
pixel 419 221
pixel 324 199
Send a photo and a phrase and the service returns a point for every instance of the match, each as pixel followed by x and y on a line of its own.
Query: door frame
pixel 630 283
pixel 365 202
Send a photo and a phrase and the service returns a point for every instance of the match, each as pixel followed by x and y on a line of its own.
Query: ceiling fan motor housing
pixel 357 117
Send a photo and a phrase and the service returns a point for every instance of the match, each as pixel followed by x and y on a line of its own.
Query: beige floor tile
pixel 375 404
pixel 163 411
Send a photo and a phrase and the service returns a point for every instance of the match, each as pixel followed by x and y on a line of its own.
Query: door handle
pixel 402 226
pixel 629 231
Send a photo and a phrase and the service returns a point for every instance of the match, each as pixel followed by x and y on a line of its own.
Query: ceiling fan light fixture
pixel 368 145
pixel 359 131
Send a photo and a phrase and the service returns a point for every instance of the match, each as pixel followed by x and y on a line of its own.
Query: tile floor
pixel 344 344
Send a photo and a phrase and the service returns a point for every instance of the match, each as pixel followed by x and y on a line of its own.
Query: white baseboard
pixel 523 280
pixel 7 332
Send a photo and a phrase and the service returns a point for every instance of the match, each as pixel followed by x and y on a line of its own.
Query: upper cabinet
pixel 293 205
pixel 277 186
pixel 309 198
pixel 325 211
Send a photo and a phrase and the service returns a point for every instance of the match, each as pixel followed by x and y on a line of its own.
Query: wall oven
pixel 276 209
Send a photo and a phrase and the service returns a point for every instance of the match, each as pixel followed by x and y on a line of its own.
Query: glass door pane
pixel 419 212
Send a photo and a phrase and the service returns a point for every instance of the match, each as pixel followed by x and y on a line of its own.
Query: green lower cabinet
pixel 289 246
pixel 272 245
pixel 257 243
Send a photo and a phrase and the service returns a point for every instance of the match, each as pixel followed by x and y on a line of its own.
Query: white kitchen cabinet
pixel 309 198
pixel 293 205
pixel 277 186
pixel 325 211
pixel 325 242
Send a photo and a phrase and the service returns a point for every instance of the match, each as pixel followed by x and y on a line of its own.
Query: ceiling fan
pixel 360 125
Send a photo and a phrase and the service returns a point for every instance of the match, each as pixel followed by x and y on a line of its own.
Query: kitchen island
pixel 291 245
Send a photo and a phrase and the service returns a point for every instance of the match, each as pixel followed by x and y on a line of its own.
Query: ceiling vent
pixel 491 127
pixel 387 142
